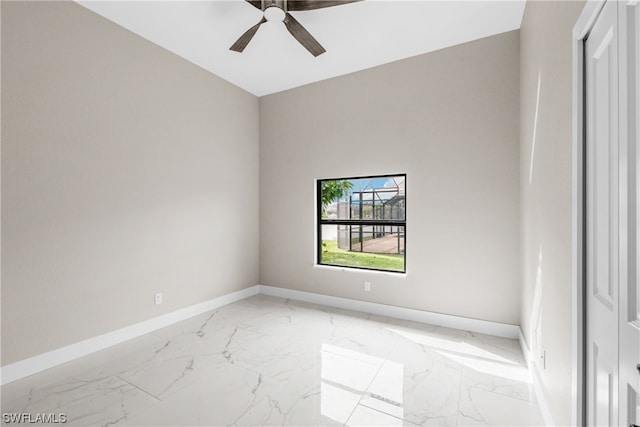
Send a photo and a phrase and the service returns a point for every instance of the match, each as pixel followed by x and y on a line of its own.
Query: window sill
pixel 360 270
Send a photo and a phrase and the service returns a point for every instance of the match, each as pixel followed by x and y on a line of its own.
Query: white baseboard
pixel 525 348
pixel 535 380
pixel 439 319
pixel 32 365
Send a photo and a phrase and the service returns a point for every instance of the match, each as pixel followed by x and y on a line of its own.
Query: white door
pixel 602 221
pixel 629 334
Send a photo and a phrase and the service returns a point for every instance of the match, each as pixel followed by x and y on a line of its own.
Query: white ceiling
pixel 356 36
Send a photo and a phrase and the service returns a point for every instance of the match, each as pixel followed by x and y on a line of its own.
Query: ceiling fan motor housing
pixel 282 4
pixel 274 12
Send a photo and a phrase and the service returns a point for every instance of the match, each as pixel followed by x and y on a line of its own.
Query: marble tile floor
pixel 268 361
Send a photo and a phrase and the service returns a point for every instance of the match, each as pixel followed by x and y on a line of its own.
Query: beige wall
pixel 546 61
pixel 122 166
pixel 450 120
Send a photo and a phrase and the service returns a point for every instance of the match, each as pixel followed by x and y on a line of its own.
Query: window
pixel 362 222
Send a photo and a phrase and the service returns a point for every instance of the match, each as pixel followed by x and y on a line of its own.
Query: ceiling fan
pixel 278 11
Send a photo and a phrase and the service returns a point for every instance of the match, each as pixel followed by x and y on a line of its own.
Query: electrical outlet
pixel 158 298
pixel 367 286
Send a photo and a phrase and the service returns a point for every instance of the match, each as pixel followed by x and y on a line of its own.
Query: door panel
pixel 603 389
pixel 602 220
pixel 603 160
pixel 632 406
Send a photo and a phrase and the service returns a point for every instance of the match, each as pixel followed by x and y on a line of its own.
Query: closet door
pixel 629 333
pixel 602 222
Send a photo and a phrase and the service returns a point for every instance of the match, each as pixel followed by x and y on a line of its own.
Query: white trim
pixel 581 29
pixel 457 322
pixel 587 18
pixel 32 365
pixel 545 409
pixel 525 348
pixel 360 271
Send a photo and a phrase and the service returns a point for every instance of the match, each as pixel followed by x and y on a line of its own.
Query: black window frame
pixel 366 222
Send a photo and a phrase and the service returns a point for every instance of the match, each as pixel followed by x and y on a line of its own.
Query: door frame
pixel 580 32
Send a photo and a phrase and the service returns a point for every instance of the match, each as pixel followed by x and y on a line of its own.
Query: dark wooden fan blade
pixel 296 5
pixel 299 33
pixel 244 39
pixel 256 3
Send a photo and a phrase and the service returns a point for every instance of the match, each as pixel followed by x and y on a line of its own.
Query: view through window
pixel 362 222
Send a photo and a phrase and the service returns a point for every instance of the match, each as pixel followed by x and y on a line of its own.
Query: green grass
pixel 333 255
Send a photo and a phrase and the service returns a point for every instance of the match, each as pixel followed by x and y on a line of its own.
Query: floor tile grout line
pixel 367 388
pixel 389 415
pixel 141 389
